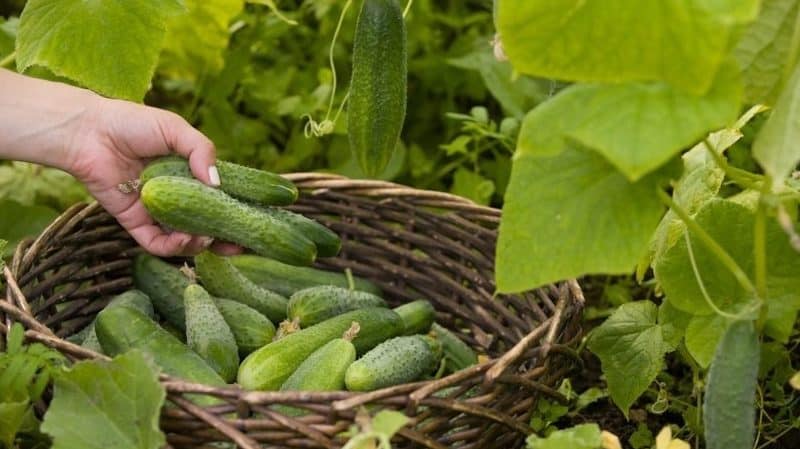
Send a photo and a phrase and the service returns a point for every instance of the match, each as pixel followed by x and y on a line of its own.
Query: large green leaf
pixel 572 214
pixel 731 225
pixel 107 404
pixel 764 50
pixel 703 334
pixel 18 221
pixel 681 42
pixel 12 417
pixel 775 147
pixel 196 41
pixel 631 347
pixel 582 436
pixel 108 46
pixel 8 33
pixel 636 126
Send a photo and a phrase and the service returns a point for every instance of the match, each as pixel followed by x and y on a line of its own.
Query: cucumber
pixel 324 369
pixel 457 354
pixel 164 284
pixel 377 105
pixel 328 242
pixel 417 316
pixel 729 405
pixel 208 334
pixel 316 304
pixel 120 329
pixel 250 328
pixel 269 367
pixel 396 361
pixel 222 279
pixel 287 279
pixel 191 206
pixel 238 181
pixel 131 298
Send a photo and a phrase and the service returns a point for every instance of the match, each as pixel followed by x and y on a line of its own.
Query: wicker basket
pixel 411 243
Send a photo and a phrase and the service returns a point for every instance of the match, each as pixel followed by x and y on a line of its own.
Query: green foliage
pixel 775 147
pixel 375 432
pixel 583 436
pixel 101 404
pixel 18 221
pixel 631 345
pixel 31 184
pixel 111 47
pixel 683 43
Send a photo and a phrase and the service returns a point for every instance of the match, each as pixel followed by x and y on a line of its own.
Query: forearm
pixel 40 119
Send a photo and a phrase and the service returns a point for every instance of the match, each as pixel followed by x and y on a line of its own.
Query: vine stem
pixel 742 177
pixel 709 242
pixel 408 8
pixel 8 59
pixel 330 57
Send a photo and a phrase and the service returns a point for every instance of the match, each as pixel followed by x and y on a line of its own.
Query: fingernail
pixel 205 242
pixel 213 175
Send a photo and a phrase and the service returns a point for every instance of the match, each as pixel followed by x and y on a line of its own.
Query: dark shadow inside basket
pixel 412 249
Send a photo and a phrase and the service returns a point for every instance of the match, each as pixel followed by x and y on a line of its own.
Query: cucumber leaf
pixel 101 404
pixel 775 147
pixel 582 436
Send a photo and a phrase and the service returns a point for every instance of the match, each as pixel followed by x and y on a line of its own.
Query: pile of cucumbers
pixel 215 323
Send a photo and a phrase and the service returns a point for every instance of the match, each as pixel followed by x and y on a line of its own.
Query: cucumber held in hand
pixel 324 369
pixel 242 182
pixel 269 367
pixel 316 304
pixel 417 316
pixel 120 329
pixel 164 284
pixel 396 361
pixel 222 279
pixel 287 279
pixel 377 104
pixel 328 242
pixel 251 329
pixel 131 298
pixel 208 334
pixel 193 207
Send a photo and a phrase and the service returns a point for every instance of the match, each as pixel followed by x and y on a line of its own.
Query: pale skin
pixel 103 143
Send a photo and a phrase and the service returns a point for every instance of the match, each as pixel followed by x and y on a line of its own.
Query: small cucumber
pixel 316 304
pixel 120 329
pixel 324 369
pixel 131 298
pixel 377 105
pixel 328 242
pixel 222 279
pixel 417 316
pixel 269 367
pixel 241 182
pixel 396 361
pixel 729 405
pixel 457 355
pixel 208 334
pixel 250 328
pixel 164 284
pixel 189 205
pixel 287 279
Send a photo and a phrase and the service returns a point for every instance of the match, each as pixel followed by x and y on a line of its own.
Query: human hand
pixel 113 143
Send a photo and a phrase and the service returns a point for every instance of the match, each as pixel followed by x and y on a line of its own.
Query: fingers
pixel 226 249
pixel 185 140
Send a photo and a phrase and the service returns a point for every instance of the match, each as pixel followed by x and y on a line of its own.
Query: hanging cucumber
pixel 189 205
pixel 242 182
pixel 208 334
pixel 729 406
pixel 377 104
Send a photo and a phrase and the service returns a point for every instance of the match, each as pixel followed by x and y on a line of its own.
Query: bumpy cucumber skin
pixel 242 182
pixel 191 206
pixel 208 334
pixel 164 285
pixel 222 279
pixel 417 316
pixel 323 370
pixel 287 279
pixel 328 242
pixel 131 298
pixel 251 329
pixel 120 329
pixel 729 405
pixel 396 361
pixel 269 367
pixel 457 354
pixel 377 104
pixel 316 304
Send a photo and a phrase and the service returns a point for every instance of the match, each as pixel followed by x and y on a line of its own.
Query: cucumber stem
pixel 287 327
pixel 189 272
pixel 351 333
pixel 351 282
